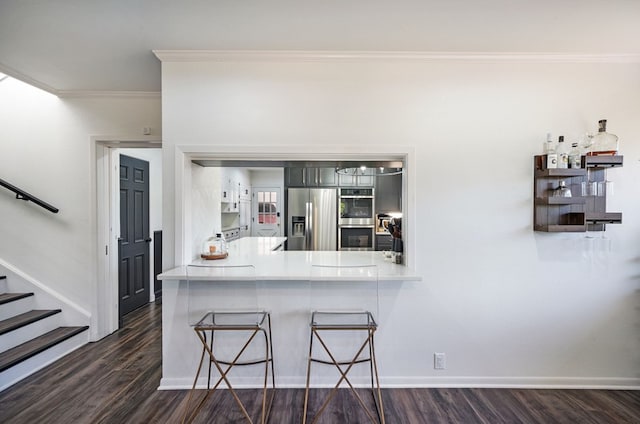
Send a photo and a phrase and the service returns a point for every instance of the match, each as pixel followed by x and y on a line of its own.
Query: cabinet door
pixel 295 177
pixel 245 193
pixel 245 218
pixel 360 179
pixel 347 180
pixel 367 179
pixel 326 177
pixel 384 242
pixel 389 193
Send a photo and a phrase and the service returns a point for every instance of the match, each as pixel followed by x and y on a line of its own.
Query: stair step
pixel 31 348
pixel 27 318
pixel 10 297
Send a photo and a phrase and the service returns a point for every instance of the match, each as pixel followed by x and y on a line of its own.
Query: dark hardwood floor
pixel 115 381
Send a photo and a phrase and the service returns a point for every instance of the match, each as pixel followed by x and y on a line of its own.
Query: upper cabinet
pixel 573 199
pixel 310 177
pixel 359 178
pixel 389 193
pixel 245 193
pixel 230 196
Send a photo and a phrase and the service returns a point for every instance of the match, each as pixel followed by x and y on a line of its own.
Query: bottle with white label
pixel 563 153
pixel 549 149
pixel 575 157
pixel 549 146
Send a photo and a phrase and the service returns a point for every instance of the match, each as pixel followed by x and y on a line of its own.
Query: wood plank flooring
pixel 115 381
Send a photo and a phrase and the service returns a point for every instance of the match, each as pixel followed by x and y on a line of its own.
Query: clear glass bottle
pixel 563 153
pixel 549 146
pixel 575 157
pixel 562 190
pixel 587 143
pixel 549 151
pixel 603 142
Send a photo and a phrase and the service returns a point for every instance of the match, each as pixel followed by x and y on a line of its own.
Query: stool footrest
pixel 256 362
pixel 322 361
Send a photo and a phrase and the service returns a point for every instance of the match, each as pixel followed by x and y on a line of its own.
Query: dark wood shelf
pixel 562 228
pixel 601 161
pixel 572 214
pixel 560 172
pixel 604 217
pixel 560 200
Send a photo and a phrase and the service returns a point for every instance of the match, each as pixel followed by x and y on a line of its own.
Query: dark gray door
pixel 134 234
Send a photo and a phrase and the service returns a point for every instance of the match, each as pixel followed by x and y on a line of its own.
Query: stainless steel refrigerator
pixel 313 218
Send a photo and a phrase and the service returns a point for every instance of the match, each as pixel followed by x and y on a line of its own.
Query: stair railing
pixel 23 195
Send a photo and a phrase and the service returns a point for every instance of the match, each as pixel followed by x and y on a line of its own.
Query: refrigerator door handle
pixel 308 225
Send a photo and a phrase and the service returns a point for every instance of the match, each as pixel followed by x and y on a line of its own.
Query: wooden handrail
pixel 23 195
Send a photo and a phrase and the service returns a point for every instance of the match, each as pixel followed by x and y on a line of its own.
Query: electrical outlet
pixel 439 361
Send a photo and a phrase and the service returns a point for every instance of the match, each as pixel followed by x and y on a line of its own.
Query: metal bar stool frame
pixel 214 321
pixel 367 323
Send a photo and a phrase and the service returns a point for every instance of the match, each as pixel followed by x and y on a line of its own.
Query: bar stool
pixel 233 331
pixel 344 299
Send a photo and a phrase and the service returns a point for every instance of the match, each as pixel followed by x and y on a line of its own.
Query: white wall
pixel 206 183
pixel 507 305
pixel 205 198
pixel 205 207
pixel 46 149
pixel 268 178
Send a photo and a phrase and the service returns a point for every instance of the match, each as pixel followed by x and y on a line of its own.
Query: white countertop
pixel 281 265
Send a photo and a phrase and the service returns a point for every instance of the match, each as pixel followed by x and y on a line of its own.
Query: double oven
pixel 356 221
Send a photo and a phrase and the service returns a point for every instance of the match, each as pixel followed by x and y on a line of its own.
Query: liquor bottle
pixel 549 146
pixel 221 243
pixel 575 156
pixel 549 149
pixel 603 142
pixel 563 153
pixel 587 143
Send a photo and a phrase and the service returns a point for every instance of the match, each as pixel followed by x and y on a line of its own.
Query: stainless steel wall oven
pixel 356 222
pixel 356 237
pixel 357 206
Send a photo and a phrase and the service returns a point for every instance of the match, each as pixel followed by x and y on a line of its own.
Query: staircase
pixel 31 338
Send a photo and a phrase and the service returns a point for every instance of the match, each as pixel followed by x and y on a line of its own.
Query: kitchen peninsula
pixel 284 276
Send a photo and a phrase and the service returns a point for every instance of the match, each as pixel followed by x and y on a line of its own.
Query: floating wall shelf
pixel 577 213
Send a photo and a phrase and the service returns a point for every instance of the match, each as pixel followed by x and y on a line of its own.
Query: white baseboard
pixel 513 382
pixel 597 383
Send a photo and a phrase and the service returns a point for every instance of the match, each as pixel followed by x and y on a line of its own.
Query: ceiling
pixel 90 45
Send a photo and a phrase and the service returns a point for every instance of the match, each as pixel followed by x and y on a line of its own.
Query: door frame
pixel 106 207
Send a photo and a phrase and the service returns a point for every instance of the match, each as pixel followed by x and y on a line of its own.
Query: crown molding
pixel 346 56
pixel 26 79
pixel 75 93
pixel 109 94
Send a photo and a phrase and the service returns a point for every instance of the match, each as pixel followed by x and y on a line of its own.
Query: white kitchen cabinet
pixel 245 193
pixel 245 218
